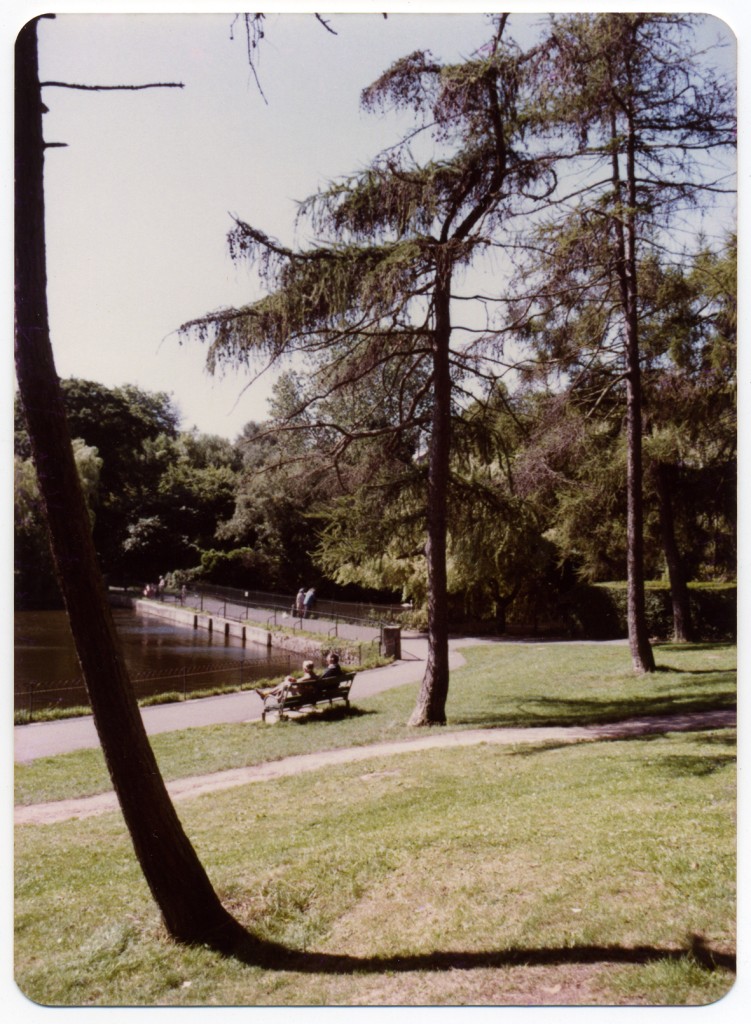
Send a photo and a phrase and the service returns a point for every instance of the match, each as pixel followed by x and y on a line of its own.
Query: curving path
pixel 198 785
pixel 44 739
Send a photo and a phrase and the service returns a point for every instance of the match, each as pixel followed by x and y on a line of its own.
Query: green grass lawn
pixel 601 873
pixel 501 685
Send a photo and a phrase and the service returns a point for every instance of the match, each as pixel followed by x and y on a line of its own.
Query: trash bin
pixel 392 642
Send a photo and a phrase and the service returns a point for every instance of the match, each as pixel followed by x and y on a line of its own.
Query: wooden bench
pixel 321 692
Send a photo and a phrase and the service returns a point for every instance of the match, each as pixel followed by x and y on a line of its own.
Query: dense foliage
pixel 156 495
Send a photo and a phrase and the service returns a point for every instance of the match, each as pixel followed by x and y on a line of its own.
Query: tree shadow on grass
pixel 681 765
pixel 542 710
pixel 700 764
pixel 709 645
pixel 337 713
pixel 273 956
pixel 717 739
pixel 696 671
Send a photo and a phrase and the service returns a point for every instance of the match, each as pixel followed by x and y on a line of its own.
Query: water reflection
pixel 161 657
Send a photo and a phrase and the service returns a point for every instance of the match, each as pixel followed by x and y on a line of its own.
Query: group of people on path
pixel 309 682
pixel 157 589
pixel 304 602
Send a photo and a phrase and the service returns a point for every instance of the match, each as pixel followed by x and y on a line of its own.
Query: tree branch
pixel 325 24
pixel 112 88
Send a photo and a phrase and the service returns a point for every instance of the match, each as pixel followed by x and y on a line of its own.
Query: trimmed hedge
pixel 598 611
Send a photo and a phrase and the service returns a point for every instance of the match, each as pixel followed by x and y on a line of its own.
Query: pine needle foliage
pixel 376 286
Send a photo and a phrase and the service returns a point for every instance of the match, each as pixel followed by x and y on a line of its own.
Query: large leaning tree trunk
pixel 190 908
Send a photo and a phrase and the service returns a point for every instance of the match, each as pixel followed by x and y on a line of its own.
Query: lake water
pixel 160 657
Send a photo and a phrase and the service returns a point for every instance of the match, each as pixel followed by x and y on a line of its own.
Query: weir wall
pixel 219 626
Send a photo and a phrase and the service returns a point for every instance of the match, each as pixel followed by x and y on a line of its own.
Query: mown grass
pixel 502 684
pixel 601 873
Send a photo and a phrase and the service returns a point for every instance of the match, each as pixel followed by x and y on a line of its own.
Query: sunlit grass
pixel 601 873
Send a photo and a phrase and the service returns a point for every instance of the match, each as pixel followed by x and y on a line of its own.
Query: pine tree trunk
pixel 178 882
pixel 682 629
pixel 430 708
pixel 642 656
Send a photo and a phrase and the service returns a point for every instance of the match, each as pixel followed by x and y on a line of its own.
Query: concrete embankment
pixel 217 625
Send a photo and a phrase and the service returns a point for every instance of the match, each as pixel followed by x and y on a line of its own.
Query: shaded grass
pixel 571 684
pixel 601 873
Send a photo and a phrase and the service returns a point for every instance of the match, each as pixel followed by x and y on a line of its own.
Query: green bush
pixel 241 567
pixel 598 611
pixel 715 610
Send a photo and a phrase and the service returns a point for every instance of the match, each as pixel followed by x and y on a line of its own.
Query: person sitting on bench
pixel 293 686
pixel 333 669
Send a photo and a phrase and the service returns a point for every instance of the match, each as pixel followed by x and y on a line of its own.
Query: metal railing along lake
pixel 184 681
pixel 361 624
pixel 274 610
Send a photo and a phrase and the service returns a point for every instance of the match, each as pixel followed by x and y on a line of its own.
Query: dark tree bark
pixel 430 708
pixel 679 597
pixel 642 655
pixel 189 906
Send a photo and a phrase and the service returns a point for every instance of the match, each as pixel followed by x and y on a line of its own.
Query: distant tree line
pixel 163 501
pixel 537 482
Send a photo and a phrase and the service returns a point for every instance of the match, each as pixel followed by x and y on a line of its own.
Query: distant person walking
pixel 300 602
pixel 309 602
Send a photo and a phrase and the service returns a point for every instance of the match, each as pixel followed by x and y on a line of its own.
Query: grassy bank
pixel 594 874
pixel 501 685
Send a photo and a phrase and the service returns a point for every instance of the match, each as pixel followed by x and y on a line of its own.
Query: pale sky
pixel 139 203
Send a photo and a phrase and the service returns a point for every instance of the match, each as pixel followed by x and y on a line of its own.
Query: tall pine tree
pixel 378 284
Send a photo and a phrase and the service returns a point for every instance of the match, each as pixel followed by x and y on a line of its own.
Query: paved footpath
pixel 45 739
pixel 48 738
pixel 198 785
